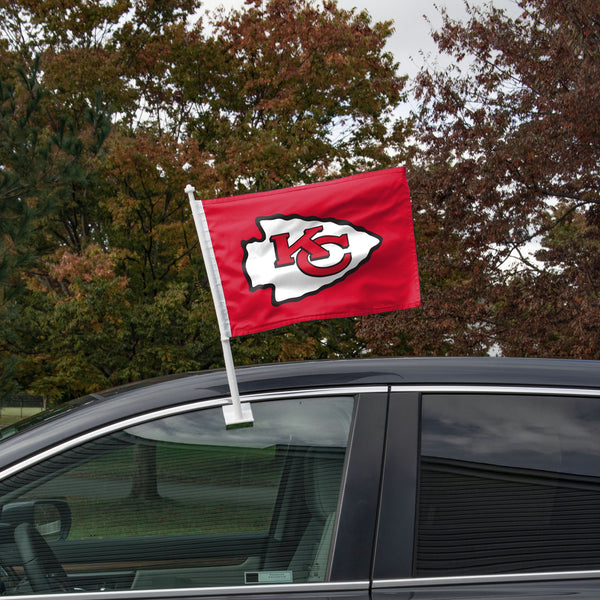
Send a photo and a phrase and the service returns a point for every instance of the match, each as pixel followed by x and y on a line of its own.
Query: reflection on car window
pixel 508 484
pixel 184 502
pixel 41 417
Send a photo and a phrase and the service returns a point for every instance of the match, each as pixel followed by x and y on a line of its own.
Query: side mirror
pixel 52 518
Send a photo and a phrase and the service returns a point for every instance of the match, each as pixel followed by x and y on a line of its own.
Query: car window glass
pixel 29 422
pixel 508 484
pixel 184 502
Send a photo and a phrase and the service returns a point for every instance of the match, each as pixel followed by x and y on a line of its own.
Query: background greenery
pixel 108 108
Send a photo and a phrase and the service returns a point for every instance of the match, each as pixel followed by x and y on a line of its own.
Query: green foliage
pixel 108 109
pixel 45 171
pixel 117 108
pixel 19 148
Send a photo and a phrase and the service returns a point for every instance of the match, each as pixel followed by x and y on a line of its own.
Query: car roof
pixel 385 371
pixel 113 405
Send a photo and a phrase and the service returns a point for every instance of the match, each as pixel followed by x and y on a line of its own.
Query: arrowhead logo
pixel 299 256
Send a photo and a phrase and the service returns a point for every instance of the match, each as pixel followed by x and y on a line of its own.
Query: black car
pixel 385 479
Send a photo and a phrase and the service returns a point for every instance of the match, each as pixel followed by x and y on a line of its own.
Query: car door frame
pixel 393 570
pixel 352 546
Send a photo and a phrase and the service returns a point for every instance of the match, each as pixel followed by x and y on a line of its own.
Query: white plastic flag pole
pixel 237 414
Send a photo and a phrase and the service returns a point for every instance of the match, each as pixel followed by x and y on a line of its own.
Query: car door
pixel 177 501
pixel 496 494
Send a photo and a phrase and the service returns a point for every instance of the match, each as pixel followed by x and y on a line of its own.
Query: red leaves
pixel 508 156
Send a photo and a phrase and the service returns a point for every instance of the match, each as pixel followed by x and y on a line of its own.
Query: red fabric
pixel 333 249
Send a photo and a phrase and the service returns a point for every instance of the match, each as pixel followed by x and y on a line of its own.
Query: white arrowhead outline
pixel 290 217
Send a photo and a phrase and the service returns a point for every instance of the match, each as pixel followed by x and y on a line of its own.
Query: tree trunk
pixel 145 484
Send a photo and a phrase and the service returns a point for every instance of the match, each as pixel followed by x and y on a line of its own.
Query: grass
pixel 195 464
pixel 13 414
pixel 176 465
pixel 109 519
pixel 98 490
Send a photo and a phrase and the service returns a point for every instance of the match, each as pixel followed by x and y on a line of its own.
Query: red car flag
pixel 334 249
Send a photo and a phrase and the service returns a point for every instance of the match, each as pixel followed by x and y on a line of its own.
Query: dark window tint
pixel 508 484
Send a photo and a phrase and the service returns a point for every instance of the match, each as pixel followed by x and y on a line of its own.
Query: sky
pixel 411 42
pixel 412 34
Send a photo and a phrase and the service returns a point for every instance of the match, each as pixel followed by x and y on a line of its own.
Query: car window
pixel 38 418
pixel 183 501
pixel 508 484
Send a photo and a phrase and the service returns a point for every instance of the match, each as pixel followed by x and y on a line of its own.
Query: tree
pixel 46 168
pixel 18 153
pixel 508 162
pixel 277 93
pixel 559 302
pixel 292 91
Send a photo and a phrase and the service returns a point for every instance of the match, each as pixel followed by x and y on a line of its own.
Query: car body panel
pixel 121 403
pixel 375 531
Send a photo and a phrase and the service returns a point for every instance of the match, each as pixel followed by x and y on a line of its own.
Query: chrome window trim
pixel 326 587
pixel 316 392
pixel 483 579
pixel 522 390
pixel 181 409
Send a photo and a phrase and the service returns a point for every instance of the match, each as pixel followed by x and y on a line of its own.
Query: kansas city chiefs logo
pixel 299 256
